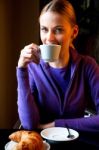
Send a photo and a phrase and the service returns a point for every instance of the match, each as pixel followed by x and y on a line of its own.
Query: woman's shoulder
pixel 90 65
pixel 89 60
pixel 85 59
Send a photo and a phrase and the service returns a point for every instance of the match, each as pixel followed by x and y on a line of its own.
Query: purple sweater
pixel 39 100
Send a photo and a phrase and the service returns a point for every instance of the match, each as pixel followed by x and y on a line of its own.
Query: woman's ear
pixel 75 32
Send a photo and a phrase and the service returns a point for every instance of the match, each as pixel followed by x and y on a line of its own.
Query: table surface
pixel 85 140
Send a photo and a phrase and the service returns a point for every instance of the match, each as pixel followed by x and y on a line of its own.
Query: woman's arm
pixel 88 124
pixel 27 109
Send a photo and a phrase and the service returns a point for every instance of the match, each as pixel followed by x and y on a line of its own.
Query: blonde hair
pixel 62 7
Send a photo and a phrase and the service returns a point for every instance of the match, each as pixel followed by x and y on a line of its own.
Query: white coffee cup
pixel 50 52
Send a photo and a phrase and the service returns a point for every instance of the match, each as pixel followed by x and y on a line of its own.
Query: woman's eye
pixel 44 29
pixel 59 30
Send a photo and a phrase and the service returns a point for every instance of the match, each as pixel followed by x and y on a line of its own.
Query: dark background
pixel 18 27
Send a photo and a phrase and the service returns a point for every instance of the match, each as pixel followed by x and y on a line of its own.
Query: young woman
pixel 57 93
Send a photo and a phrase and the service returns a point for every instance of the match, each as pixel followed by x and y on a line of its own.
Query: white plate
pixel 10 145
pixel 58 134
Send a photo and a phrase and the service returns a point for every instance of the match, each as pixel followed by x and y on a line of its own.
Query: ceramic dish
pixel 59 134
pixel 10 145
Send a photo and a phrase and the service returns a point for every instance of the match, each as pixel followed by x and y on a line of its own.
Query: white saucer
pixel 10 145
pixel 58 134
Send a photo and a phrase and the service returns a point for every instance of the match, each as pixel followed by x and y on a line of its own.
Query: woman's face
pixel 55 29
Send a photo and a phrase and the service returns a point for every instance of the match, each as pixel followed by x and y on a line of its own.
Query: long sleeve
pixel 27 109
pixel 89 124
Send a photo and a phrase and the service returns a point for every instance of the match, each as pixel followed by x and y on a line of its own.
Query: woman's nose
pixel 50 37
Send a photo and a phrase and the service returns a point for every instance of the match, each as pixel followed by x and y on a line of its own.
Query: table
pixel 85 140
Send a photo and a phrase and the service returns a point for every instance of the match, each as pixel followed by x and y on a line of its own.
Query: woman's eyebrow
pixel 43 26
pixel 59 26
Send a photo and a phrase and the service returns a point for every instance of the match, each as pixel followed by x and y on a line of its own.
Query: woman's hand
pixel 47 125
pixel 28 54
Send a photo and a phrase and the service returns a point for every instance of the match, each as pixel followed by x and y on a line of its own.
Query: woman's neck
pixel 62 62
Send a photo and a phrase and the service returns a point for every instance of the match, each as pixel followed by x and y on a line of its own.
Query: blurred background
pixel 19 27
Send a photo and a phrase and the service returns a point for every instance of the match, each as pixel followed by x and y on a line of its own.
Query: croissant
pixel 27 140
pixel 16 136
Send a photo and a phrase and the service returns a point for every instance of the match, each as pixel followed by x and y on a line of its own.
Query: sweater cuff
pixel 21 72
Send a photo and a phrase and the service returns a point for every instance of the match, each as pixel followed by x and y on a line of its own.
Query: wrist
pixel 21 64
